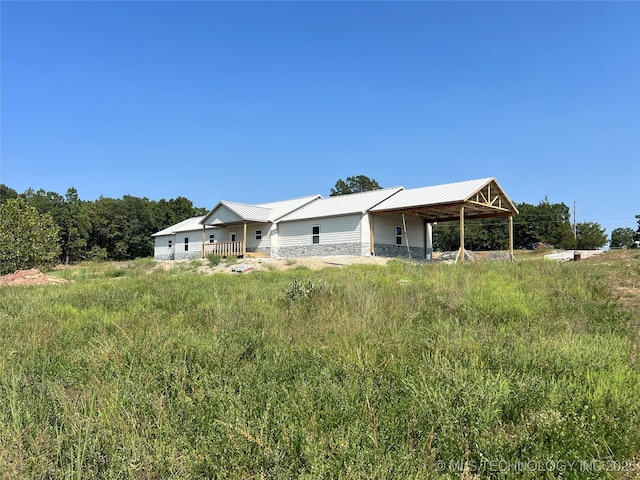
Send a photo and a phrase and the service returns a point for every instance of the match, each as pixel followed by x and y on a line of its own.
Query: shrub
pixel 299 289
pixel 214 259
pixel 28 239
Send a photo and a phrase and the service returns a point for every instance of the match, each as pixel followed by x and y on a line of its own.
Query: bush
pixel 28 239
pixel 299 289
pixel 214 259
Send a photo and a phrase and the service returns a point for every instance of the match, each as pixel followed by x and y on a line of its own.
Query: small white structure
pixel 390 222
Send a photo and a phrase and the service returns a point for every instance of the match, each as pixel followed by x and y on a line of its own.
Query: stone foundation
pixel 337 249
pixel 399 251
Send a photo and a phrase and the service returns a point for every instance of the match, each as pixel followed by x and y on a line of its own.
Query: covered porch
pixel 234 240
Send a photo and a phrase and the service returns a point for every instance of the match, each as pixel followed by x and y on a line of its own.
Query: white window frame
pixel 258 234
pixel 398 236
pixel 186 244
pixel 212 238
pixel 315 237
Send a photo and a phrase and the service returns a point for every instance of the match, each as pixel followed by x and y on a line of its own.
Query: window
pixel 186 244
pixel 258 234
pixel 315 234
pixel 170 244
pixel 212 238
pixel 398 235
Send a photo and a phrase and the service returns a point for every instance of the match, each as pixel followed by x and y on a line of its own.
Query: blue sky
pixel 261 101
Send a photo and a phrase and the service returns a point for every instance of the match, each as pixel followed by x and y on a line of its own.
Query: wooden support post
pixel 406 235
pixel 203 239
pixel 371 236
pixel 461 252
pixel 511 238
pixel 244 243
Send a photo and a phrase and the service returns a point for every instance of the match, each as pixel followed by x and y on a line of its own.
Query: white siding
pixel 161 249
pixel 224 215
pixel 365 235
pixel 195 244
pixel 384 230
pixel 252 243
pixel 333 230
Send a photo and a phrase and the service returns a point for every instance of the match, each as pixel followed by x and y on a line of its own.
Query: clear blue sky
pixel 261 101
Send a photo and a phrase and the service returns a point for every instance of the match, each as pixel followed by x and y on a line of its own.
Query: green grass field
pixel 527 369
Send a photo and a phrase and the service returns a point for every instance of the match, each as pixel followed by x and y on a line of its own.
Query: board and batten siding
pixel 333 230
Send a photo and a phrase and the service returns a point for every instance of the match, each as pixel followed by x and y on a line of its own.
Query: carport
pixel 473 199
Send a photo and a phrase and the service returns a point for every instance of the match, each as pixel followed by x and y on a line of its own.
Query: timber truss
pixel 488 202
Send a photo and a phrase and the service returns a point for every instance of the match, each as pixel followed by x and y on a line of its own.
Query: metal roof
pixel 187 225
pixel 482 198
pixel 448 193
pixel 263 212
pixel 342 204
pixel 248 212
pixel 282 208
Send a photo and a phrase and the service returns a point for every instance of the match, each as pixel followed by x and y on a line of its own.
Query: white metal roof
pixel 279 209
pixel 342 204
pixel 187 225
pixel 248 212
pixel 263 212
pixel 434 195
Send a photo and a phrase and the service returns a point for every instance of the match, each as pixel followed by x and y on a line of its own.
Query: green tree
pixel 28 238
pixel 479 235
pixel 170 212
pixel 545 222
pixel 74 227
pixel 6 193
pixel 359 183
pixel 622 237
pixel 590 235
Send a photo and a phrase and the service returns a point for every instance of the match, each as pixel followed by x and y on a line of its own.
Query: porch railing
pixel 225 249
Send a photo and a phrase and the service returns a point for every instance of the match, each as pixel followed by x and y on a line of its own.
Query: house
pixel 390 222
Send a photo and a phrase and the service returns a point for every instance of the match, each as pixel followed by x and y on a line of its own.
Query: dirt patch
pixel 30 277
pixel 247 265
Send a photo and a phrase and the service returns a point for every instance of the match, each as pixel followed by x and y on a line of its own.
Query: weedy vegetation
pixel 397 371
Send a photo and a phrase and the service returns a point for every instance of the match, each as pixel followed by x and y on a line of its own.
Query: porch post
pixel 511 238
pixel 244 242
pixel 429 240
pixel 461 252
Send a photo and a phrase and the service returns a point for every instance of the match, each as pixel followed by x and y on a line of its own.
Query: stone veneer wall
pixel 320 250
pixel 399 251
pixel 188 255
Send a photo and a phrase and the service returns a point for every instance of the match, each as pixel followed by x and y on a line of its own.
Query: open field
pixel 400 370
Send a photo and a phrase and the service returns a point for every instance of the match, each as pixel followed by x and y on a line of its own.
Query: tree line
pixel 107 228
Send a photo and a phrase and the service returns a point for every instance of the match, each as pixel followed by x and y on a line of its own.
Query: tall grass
pixel 365 372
